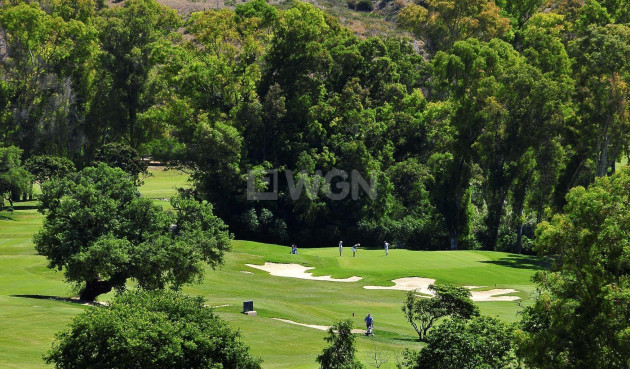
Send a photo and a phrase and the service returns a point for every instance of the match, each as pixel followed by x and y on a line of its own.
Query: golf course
pixel 35 303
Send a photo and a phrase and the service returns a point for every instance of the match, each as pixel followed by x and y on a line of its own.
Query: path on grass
pixel 315 326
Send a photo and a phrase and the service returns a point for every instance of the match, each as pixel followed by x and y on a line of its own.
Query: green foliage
pixel 44 168
pixel 422 312
pixel 157 329
pixel 482 342
pixel 582 309
pixel 127 34
pixel 15 180
pixel 441 23
pixel 469 138
pixel 603 77
pixel 341 352
pixel 364 6
pixel 123 157
pixel 100 234
pixel 46 78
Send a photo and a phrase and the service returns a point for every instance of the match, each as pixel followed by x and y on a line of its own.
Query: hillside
pixel 378 22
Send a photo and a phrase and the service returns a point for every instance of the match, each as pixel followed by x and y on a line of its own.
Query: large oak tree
pixel 101 233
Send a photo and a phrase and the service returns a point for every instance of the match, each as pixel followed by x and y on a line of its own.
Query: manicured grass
pixel 163 183
pixel 29 322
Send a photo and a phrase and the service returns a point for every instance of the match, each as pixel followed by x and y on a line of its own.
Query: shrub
pixel 159 329
pixel 365 6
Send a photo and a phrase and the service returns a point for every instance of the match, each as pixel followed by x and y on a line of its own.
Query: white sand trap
pixel 421 285
pixel 408 284
pixel 314 326
pixel 297 271
pixel 494 295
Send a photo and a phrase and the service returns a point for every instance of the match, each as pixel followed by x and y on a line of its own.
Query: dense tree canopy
pixel 580 319
pixel 471 132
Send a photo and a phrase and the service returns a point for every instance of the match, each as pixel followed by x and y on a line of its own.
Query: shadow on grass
pixel 407 339
pixel 6 217
pixel 63 299
pixel 521 262
pixel 25 207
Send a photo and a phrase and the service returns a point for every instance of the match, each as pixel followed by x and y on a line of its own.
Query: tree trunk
pixel 94 288
pixel 453 237
pixel 459 194
pixel 519 205
pixel 519 237
pixel 493 222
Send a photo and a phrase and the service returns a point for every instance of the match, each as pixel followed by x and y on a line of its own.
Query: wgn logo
pixel 335 184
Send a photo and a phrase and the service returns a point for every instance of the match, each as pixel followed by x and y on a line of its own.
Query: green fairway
pixel 162 183
pixel 28 321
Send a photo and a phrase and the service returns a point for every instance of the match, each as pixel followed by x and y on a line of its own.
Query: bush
pixel 150 330
pixel 365 6
pixel 482 342
pixel 341 352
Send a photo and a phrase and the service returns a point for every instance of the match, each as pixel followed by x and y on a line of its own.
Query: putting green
pixel 28 320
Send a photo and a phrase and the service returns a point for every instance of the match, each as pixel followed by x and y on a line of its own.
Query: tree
pixel 123 157
pixel 441 23
pixel 127 34
pixel 422 313
pixel 520 10
pixel 468 78
pixel 482 342
pixel 46 68
pixel 101 233
pixel 14 178
pixel 340 353
pixel 44 168
pixel 602 95
pixel 157 329
pixel 581 317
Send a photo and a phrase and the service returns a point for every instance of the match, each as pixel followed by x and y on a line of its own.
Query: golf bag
pixel 369 331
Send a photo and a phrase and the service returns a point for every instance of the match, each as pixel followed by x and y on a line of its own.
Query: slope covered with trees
pixel 471 141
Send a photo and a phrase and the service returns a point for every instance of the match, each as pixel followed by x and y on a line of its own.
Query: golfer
pixel 386 248
pixel 340 247
pixel 369 323
pixel 354 249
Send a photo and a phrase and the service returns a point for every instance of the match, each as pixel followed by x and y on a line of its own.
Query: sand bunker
pixel 494 295
pixel 314 326
pixel 421 285
pixel 408 284
pixel 297 271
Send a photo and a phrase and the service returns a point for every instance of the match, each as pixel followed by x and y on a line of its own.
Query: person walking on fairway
pixel 340 247
pixel 354 249
pixel 369 324
pixel 386 248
